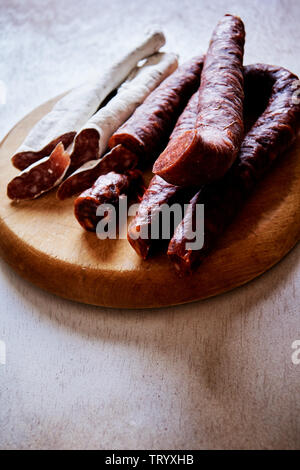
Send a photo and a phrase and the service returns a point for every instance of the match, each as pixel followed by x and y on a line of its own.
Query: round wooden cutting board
pixel 44 243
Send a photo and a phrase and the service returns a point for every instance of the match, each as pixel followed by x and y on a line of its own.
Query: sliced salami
pixel 119 159
pixel 205 153
pixel 41 176
pixel 147 131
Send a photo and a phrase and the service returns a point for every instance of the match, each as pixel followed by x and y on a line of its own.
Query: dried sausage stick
pixel 73 110
pixel 272 134
pixel 91 141
pixel 131 93
pixel 106 190
pixel 159 191
pixel 41 176
pixel 205 153
pixel 119 159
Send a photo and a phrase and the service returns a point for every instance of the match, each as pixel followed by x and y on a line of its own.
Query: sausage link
pixel 143 135
pixel 147 131
pixel 106 190
pixel 119 159
pixel 22 160
pixel 205 153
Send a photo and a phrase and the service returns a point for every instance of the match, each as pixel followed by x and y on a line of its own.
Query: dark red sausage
pixel 41 176
pixel 205 153
pixel 23 160
pixel 187 119
pixel 119 159
pixel 273 132
pixel 106 190
pixel 159 191
pixel 147 131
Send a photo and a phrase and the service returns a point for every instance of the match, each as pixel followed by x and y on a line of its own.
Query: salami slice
pixel 23 160
pixel 119 159
pixel 205 153
pixel 41 176
pixel 106 190
pixel 75 109
pixel 147 131
pixel 159 192
pixel 91 141
pixel 272 134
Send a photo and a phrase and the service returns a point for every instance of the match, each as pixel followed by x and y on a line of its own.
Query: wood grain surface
pixel 43 242
pixel 212 374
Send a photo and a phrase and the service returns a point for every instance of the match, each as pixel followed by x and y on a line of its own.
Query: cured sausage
pixel 147 131
pixel 205 153
pixel 23 160
pixel 91 141
pixel 144 132
pixel 41 176
pixel 187 119
pixel 119 159
pixel 272 134
pixel 159 192
pixel 131 93
pixel 106 190
pixel 75 109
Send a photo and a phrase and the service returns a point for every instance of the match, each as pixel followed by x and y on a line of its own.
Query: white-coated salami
pixel 76 108
pixel 91 141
